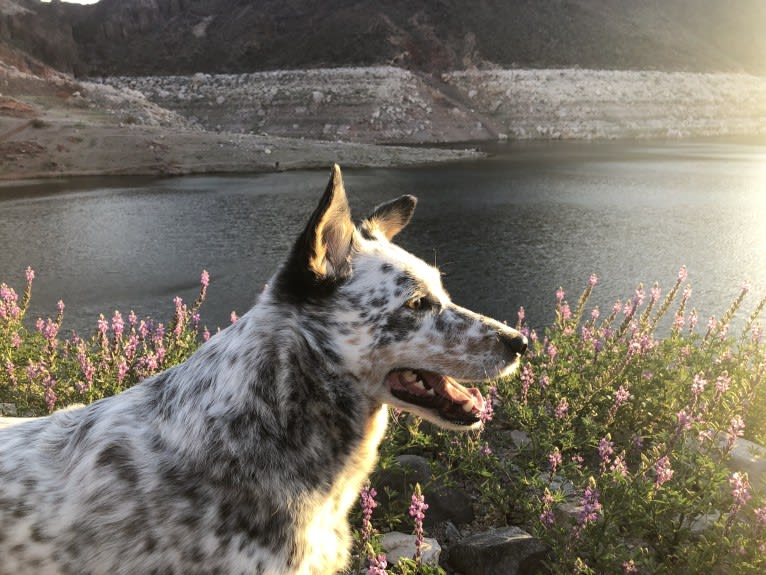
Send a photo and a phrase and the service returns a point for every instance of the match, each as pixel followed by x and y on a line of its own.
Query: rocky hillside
pixel 391 105
pixel 149 37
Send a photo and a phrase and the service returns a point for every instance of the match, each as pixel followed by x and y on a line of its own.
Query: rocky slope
pixel 390 105
pixel 52 125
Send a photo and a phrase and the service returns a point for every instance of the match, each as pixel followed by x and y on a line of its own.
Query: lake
pixel 506 231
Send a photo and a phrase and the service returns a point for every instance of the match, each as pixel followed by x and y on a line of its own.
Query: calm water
pixel 506 231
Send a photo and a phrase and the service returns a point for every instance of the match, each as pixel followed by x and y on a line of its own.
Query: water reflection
pixel 506 232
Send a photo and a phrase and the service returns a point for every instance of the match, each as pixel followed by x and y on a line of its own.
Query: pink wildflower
pixel 233 317
pixel 103 326
pixel 30 273
pixel 619 466
pixel 521 315
pixel 560 294
pixel 118 325
pixel 655 293
pixel 122 370
pixel 693 319
pixel 566 312
pixel 591 507
pixel 638 296
pixel 629 567
pixel 621 396
pixel 684 420
pixel 698 385
pixel 368 505
pixel 663 470
pixel 204 279
pixel 554 458
pixel 562 408
pixel 159 333
pixel 605 449
pixel 50 395
pixel 547 517
pixel 10 369
pixel 417 511
pixel 527 376
pixel 736 429
pixel 488 412
pixel 377 565
pixel 683 273
pixel 740 488
pixel 722 383
pixel 592 280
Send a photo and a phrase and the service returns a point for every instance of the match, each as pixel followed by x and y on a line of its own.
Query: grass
pixel 627 435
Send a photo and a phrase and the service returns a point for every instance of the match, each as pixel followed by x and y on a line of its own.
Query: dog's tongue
pixel 469 398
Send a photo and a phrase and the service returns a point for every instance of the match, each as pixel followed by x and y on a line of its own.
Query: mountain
pixel 140 37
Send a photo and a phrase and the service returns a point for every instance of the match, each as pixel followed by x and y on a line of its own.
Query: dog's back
pixel 247 458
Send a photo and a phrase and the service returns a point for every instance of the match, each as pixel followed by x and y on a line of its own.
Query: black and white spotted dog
pixel 248 457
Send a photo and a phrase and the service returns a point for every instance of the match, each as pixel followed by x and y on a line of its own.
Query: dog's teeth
pixel 430 391
pixel 409 376
pixel 419 385
pixel 467 406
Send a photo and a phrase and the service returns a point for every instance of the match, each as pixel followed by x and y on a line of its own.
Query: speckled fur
pixel 247 457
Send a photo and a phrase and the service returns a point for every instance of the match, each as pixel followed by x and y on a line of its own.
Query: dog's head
pixel 383 314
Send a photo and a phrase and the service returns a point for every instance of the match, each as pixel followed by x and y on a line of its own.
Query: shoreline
pixel 53 126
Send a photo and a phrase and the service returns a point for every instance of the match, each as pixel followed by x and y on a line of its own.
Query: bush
pixel 622 438
pixel 621 466
pixel 42 372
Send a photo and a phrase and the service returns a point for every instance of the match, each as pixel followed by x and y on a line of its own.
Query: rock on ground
pixel 504 551
pixel 398 545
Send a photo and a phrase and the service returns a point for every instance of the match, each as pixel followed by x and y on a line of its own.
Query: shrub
pixel 622 437
pixel 625 439
pixel 42 372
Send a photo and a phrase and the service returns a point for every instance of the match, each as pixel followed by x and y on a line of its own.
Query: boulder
pixel 750 458
pixel 504 551
pixel 445 502
pixel 398 545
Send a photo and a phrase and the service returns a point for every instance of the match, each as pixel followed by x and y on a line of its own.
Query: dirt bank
pixel 54 126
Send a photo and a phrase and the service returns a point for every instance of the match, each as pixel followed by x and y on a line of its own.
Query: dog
pixel 246 458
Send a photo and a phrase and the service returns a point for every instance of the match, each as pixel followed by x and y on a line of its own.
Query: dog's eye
pixel 418 303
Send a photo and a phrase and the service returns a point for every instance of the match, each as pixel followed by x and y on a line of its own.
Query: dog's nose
pixel 516 343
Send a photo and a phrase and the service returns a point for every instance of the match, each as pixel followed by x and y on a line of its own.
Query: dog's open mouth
pixel 437 393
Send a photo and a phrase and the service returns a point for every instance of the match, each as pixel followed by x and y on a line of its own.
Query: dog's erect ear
pixel 391 217
pixel 320 256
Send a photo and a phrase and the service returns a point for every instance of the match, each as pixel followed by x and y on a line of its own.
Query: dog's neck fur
pixel 283 387
pixel 281 414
